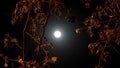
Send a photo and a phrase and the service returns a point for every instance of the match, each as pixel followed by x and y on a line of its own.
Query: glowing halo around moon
pixel 57 34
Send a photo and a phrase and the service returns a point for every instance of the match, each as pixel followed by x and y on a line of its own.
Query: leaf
pixel 20 61
pixel 53 59
pixel 89 30
pixel 25 9
pixel 77 30
pixel 14 40
pixel 6 42
pixel 5 65
pixel 91 47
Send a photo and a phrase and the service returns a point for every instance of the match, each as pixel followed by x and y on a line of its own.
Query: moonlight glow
pixel 57 34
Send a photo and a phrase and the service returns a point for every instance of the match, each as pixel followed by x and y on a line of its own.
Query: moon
pixel 57 34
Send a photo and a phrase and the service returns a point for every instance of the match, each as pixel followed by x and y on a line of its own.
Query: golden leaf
pixel 89 30
pixel 91 47
pixel 5 40
pixel 25 9
pixel 14 40
pixel 20 61
pixel 53 59
pixel 5 65
pixel 77 30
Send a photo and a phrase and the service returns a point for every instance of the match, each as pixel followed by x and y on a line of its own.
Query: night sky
pixel 71 48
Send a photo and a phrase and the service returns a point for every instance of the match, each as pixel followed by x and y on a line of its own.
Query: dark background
pixel 71 48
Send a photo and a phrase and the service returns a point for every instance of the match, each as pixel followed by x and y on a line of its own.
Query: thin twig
pixel 32 37
pixel 24 35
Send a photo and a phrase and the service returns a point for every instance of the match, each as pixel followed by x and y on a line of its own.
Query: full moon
pixel 57 34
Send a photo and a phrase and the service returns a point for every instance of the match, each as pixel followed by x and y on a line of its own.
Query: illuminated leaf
pixel 20 61
pixel 77 30
pixel 91 47
pixel 5 65
pixel 25 9
pixel 53 59
pixel 14 40
pixel 89 30
pixel 5 42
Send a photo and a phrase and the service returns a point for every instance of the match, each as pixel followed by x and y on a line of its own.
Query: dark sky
pixel 71 48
